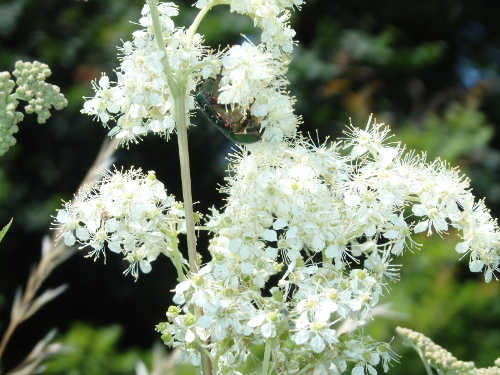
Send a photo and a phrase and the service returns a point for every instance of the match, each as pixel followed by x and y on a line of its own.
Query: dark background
pixel 428 68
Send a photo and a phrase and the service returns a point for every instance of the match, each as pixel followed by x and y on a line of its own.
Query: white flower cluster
pixel 305 243
pixel 269 15
pixel 129 212
pixel 142 100
pixel 251 80
pixel 304 248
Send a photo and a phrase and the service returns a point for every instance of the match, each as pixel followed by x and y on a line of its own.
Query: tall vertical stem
pixel 182 141
pixel 178 90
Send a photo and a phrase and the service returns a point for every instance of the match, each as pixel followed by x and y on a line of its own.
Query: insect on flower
pixel 238 125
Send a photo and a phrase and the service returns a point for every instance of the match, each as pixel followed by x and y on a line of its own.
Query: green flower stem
pixel 155 16
pixel 182 141
pixel 267 357
pixel 178 91
pixel 176 259
pixel 428 368
pixel 199 17
pixel 180 117
pixel 209 5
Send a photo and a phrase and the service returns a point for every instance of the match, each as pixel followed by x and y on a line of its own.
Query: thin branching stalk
pixel 53 254
pixel 199 17
pixel 42 350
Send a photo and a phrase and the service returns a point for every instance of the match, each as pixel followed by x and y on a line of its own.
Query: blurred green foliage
pixel 430 69
pixel 93 351
pixel 458 132
pixel 440 299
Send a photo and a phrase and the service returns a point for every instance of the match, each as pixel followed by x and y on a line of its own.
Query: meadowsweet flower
pixel 127 211
pixel 305 245
pixel 250 83
pixel 140 101
pixel 272 16
pixel 247 70
pixel 108 100
pixel 227 309
pixel 275 107
pixel 311 211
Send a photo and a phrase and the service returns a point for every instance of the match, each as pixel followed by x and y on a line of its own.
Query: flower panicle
pixel 252 85
pixel 317 211
pixel 141 101
pixel 127 212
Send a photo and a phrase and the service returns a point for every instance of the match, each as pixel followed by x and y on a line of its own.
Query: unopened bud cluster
pixel 40 95
pixel 32 88
pixel 441 359
pixel 9 117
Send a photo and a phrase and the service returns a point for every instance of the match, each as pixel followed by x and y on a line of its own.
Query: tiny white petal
pixel 420 227
pixel 419 210
pixel 271 252
pixel 204 321
pixel 69 239
pixel 279 224
pixel 318 243
pixel 476 265
pixel 62 216
pixel 234 245
pixel 190 336
pixel 391 234
pixel 247 268
pixel 267 330
pixel 270 235
pixel 352 200
pixel 317 344
pixel 145 266
pixel 221 271
pixel 332 251
pixel 301 337
pixel 114 247
pixel 256 320
pixel 82 234
pixel 462 247
pixel 195 357
pixel 291 232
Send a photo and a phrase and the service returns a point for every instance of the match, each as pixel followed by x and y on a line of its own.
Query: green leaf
pixel 5 229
